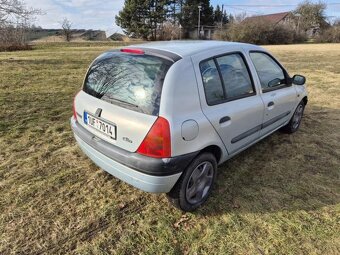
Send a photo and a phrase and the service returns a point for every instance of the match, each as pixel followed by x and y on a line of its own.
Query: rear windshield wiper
pixel 115 100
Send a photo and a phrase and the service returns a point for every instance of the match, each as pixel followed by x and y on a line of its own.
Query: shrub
pixel 15 47
pixel 330 35
pixel 261 32
pixel 169 31
pixel 13 38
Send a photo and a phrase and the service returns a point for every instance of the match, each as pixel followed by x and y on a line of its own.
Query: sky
pixel 98 14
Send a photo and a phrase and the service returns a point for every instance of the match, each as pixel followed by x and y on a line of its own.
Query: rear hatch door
pixel 121 95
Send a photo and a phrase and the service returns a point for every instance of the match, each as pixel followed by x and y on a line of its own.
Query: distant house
pixel 282 18
pixel 289 19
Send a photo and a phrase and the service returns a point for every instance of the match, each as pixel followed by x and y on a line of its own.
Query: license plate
pixel 100 125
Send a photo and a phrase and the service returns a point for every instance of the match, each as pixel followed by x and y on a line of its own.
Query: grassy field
pixel 282 196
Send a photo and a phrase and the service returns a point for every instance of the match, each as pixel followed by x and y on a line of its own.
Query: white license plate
pixel 100 125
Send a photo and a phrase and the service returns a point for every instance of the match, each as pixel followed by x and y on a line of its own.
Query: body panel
pixel 149 183
pixel 180 102
pixel 284 100
pixel 143 181
pixel 245 114
pixel 141 163
pixel 246 146
pixel 131 126
pixel 244 124
pixel 279 104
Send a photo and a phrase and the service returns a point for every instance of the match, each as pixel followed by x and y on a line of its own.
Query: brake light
pixel 74 107
pixel 133 51
pixel 157 143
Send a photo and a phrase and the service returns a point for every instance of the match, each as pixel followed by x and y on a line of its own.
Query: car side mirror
pixel 274 83
pixel 299 79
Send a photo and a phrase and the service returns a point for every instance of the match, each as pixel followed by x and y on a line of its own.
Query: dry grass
pixel 282 196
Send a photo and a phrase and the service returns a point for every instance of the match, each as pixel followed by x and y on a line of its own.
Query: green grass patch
pixel 281 196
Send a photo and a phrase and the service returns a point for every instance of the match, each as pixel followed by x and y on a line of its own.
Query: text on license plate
pixel 100 125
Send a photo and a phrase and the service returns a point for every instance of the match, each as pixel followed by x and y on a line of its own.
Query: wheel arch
pixel 305 100
pixel 215 150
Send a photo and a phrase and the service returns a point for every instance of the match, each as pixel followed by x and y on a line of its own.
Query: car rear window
pixel 132 81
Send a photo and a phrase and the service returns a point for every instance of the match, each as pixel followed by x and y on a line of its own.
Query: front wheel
pixel 295 121
pixel 195 184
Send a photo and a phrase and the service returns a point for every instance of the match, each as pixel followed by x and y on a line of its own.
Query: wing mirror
pixel 274 83
pixel 299 79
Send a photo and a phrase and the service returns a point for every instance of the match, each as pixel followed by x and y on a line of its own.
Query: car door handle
pixel 225 119
pixel 271 103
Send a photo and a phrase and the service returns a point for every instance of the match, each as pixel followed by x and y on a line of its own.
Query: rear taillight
pixel 157 143
pixel 74 107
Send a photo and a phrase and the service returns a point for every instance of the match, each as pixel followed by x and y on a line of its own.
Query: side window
pixel 270 73
pixel 211 82
pixel 235 76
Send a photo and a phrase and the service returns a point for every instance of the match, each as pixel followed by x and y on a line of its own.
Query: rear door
pixel 229 98
pixel 278 94
pixel 120 98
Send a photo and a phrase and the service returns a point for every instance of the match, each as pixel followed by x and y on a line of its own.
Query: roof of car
pixel 188 48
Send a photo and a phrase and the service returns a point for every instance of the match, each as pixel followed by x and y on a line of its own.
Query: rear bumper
pixel 148 174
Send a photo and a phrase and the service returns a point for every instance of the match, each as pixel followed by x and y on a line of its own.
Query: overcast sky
pixel 98 14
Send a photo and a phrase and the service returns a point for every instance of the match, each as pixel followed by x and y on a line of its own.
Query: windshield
pixel 128 80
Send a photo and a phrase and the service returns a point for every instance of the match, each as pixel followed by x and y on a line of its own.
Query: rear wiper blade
pixel 110 100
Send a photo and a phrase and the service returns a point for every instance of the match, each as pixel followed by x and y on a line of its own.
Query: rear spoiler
pixel 154 52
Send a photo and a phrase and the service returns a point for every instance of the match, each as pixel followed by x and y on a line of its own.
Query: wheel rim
pixel 297 116
pixel 199 183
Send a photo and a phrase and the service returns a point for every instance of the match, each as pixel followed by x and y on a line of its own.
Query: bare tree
pixel 66 26
pixel 169 31
pixel 336 22
pixel 11 10
pixel 311 15
pixel 15 19
pixel 238 18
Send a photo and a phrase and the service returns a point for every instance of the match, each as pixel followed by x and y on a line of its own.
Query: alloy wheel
pixel 199 182
pixel 297 116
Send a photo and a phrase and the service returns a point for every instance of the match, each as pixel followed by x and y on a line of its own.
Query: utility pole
pixel 180 32
pixel 199 21
pixel 222 19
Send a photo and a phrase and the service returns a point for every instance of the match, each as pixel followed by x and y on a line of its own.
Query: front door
pixel 278 94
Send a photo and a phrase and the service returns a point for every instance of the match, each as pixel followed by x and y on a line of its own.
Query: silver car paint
pixel 244 114
pixel 285 100
pixel 180 102
pixel 148 183
pixel 177 105
pixel 183 99
pixel 130 124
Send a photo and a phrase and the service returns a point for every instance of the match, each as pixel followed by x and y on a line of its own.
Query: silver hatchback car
pixel 162 116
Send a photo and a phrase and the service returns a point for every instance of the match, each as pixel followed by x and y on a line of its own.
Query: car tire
pixel 295 121
pixel 195 184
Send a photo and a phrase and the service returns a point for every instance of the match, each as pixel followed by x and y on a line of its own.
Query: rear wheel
pixel 195 184
pixel 295 121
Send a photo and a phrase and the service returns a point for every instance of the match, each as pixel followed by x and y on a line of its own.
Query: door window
pixel 212 83
pixel 235 76
pixel 271 75
pixel 226 78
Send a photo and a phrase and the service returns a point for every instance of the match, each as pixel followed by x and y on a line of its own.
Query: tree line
pixel 147 19
pixel 308 21
pixel 170 19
